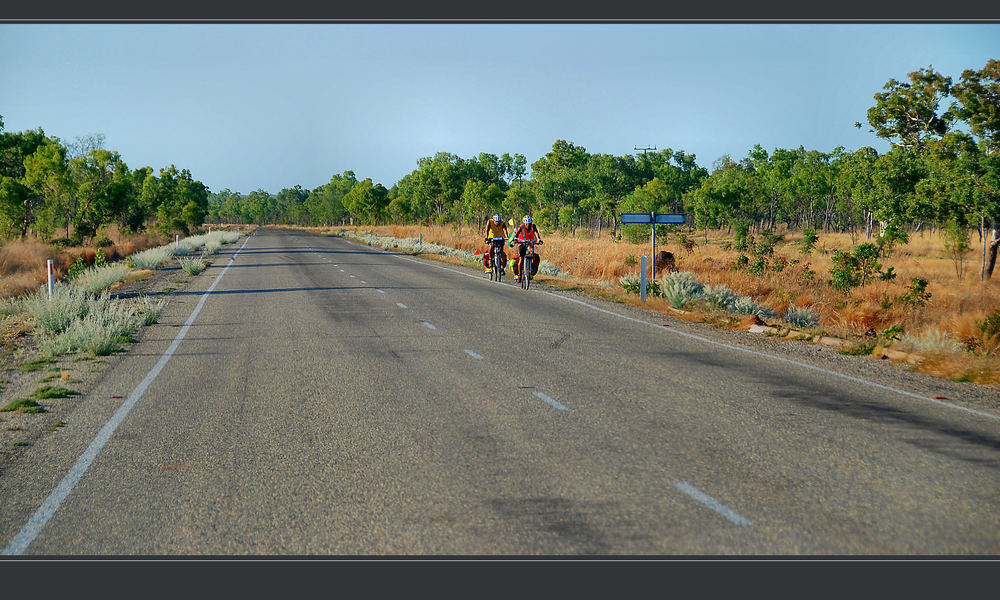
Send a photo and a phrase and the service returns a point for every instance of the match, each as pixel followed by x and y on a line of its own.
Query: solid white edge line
pixel 746 350
pixel 24 538
pixel 550 401
pixel 712 503
pixel 474 355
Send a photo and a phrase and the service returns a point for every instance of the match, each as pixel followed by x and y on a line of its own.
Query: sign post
pixel 642 279
pixel 653 219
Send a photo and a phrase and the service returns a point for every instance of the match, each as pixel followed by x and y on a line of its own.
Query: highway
pixel 328 398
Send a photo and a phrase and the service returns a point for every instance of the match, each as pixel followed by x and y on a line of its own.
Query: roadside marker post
pixel 653 219
pixel 642 279
pixel 50 266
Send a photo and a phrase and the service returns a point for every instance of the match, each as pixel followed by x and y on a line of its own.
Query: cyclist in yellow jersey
pixel 496 228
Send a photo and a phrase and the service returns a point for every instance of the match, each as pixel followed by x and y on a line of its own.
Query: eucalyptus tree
pixel 560 177
pixel 46 175
pixel 367 201
pixel 908 113
pixel 977 96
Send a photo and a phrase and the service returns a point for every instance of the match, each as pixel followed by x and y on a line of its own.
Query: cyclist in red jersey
pixel 525 232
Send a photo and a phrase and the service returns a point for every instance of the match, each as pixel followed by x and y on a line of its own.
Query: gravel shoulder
pixel 77 372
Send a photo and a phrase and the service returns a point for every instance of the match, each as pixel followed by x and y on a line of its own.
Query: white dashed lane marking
pixel 550 401
pixel 400 305
pixel 712 503
pixel 473 355
pixel 380 291
pixel 429 326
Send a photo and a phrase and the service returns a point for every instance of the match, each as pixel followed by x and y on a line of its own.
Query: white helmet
pixel 526 220
pixel 497 217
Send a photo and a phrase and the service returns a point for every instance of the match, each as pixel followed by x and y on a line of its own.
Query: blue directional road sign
pixel 637 217
pixel 648 218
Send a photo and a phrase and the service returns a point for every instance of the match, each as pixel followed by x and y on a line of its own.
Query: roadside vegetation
pixel 82 316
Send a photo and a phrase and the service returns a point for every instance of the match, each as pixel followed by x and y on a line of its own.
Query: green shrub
pixel 76 269
pixel 891 334
pixel 916 293
pixel 854 269
pixel 809 239
pixel 743 240
pixel 741 262
pixel 757 267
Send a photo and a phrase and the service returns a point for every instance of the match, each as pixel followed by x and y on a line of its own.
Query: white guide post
pixel 50 265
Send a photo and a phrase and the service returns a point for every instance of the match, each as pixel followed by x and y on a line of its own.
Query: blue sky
pixel 247 106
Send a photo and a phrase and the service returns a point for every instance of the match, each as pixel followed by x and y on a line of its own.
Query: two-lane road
pixel 330 398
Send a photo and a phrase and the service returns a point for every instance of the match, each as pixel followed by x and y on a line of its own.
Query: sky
pixel 269 106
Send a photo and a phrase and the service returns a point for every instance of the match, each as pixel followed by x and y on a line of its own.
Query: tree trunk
pixel 991 257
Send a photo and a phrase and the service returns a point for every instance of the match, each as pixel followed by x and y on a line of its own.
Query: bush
pixel 547 268
pixel 720 296
pixel 105 326
pixel 681 288
pixel 192 266
pixel 152 258
pixel 931 341
pixel 801 317
pixel 748 306
pixel 99 278
pixel 809 239
pixel 76 269
pixel 743 241
pixel 149 310
pixel 68 303
pixel 853 269
pixel 916 293
pixel 630 283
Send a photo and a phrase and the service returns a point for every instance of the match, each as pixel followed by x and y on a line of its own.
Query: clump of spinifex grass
pixel 53 315
pixel 192 266
pixel 97 279
pixel 106 325
pixel 152 258
pixel 149 309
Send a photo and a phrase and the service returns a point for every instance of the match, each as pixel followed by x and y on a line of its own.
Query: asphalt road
pixel 330 398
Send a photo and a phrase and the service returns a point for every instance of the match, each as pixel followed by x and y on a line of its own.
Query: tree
pixel 977 102
pixel 367 201
pixel 907 114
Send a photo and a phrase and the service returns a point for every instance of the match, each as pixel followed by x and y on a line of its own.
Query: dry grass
pixel 23 263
